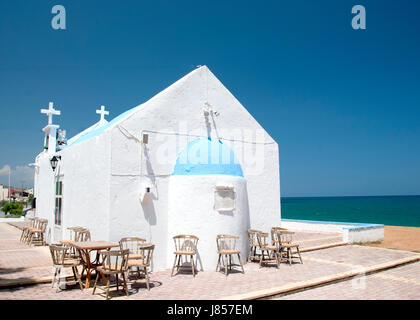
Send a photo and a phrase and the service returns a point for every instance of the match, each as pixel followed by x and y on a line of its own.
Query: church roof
pixel 98 128
pixel 84 132
pixel 87 134
pixel 207 157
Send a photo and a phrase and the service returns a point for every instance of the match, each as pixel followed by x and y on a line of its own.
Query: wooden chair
pixel 253 245
pixel 132 244
pixel 226 247
pixel 73 232
pixel 36 234
pixel 285 245
pixel 60 261
pixel 185 245
pixel 115 262
pixel 72 252
pixel 25 230
pixel 82 235
pixel 143 263
pixel 273 254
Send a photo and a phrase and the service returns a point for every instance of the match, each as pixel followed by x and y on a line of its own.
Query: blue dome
pixel 206 157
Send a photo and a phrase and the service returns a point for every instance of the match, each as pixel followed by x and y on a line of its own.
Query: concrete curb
pixel 319 281
pixel 324 246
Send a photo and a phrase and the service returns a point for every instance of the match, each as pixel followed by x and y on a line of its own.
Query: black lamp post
pixel 54 162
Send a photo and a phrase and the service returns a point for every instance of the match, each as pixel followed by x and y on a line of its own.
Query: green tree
pixel 14 208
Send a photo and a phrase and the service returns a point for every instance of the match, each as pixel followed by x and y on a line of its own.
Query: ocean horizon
pixel 394 210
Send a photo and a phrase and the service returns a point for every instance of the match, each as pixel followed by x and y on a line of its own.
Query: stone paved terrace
pixel 401 283
pixel 22 262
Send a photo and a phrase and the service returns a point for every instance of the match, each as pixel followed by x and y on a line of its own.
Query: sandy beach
pixel 401 238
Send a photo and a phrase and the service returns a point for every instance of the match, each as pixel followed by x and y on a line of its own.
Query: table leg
pixel 88 268
pixel 87 283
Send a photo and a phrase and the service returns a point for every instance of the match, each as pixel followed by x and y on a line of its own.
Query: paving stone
pixel 26 262
pixel 398 283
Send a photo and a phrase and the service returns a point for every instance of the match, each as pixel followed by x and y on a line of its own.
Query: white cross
pixel 50 112
pixel 103 113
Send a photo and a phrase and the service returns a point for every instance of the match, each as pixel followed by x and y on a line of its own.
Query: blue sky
pixel 342 104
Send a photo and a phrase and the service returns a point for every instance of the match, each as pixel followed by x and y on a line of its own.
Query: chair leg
pixel 173 268
pixel 276 254
pixel 146 275
pixel 116 279
pixel 54 279
pixel 107 286
pixel 125 284
pixel 298 252
pixel 58 280
pixel 28 238
pixel 179 263
pixel 261 258
pixel 240 262
pixel 289 255
pixel 226 265
pixel 218 262
pixel 192 265
pixel 96 281
pixel 76 274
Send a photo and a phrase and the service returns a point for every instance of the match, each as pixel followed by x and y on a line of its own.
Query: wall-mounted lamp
pixel 54 161
pixel 208 110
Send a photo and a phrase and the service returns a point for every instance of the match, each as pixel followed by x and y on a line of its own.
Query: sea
pixel 387 210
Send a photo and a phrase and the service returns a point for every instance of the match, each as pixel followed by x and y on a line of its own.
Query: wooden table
pixel 84 249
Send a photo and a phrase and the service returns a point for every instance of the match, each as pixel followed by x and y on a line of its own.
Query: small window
pixel 224 199
pixel 58 202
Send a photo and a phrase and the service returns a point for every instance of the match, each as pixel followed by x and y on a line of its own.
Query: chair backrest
pixel 31 221
pixel 185 242
pixel 226 242
pixel 73 231
pixel 82 235
pixel 115 260
pixel 146 251
pixel 262 239
pixel 131 243
pixel 252 237
pixel 284 236
pixel 35 222
pixel 58 253
pixel 42 224
pixel 274 233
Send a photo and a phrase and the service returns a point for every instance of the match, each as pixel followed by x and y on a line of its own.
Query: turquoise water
pixel 388 210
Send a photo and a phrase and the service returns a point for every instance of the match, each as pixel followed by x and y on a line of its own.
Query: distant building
pixel 15 194
pixel 4 193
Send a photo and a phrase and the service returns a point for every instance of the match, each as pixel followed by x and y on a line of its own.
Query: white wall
pixel 191 211
pixel 85 172
pixel 351 232
pixel 363 234
pixel 86 186
pixel 44 193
